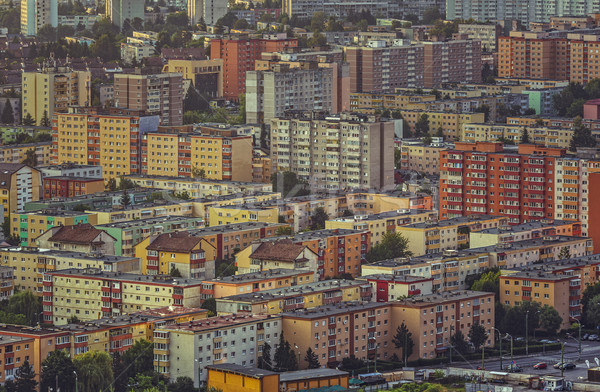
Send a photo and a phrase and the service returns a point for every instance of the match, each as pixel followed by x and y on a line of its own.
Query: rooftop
pixel 461 220
pixel 259 276
pixel 538 275
pixel 199 180
pixel 180 242
pixel 217 322
pixel 334 309
pixel 531 225
pixel 325 233
pixel 284 250
pixel 74 255
pixel 243 370
pixel 565 264
pixel 95 273
pixel 528 244
pixel 384 215
pixel 82 233
pixel 55 212
pixel 394 278
pixel 310 374
pixel 222 229
pixel 451 296
pixel 72 178
pixel 170 219
pixel 7 339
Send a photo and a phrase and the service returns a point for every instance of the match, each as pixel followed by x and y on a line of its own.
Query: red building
pixel 71 186
pixel 238 54
pixel 482 178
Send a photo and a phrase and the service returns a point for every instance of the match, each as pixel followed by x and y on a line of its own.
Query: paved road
pixel 590 351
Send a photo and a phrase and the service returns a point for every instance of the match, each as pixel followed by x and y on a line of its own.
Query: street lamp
pixel 562 358
pixel 527 332
pixel 199 372
pixel 297 348
pixel 76 381
pixel 500 339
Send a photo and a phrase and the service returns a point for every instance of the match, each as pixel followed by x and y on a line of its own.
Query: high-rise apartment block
pixel 118 11
pixel 239 53
pixel 206 75
pixel 428 64
pixel 546 55
pixel 305 9
pixel 54 89
pixel 37 13
pixel 160 94
pixel 348 151
pixel 210 11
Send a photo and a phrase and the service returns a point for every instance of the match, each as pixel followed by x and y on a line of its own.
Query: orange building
pixel 71 186
pixel 14 351
pixel 239 53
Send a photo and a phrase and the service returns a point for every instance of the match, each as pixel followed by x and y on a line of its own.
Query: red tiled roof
pixel 174 242
pixel 284 250
pixel 83 233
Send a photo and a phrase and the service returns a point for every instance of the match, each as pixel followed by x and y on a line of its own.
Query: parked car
pixel 514 368
pixel 568 366
pixel 519 339
pixel 544 341
pixel 540 365
pixel 585 337
pixel 593 337
pixel 557 365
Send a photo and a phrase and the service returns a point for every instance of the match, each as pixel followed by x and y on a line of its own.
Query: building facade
pixel 37 13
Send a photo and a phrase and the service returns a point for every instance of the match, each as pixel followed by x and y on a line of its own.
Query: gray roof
pixel 149 221
pixel 245 370
pixel 310 374
pixel 96 273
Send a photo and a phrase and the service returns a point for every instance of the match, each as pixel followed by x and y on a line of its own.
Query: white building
pixel 208 10
pixel 120 10
pixel 37 13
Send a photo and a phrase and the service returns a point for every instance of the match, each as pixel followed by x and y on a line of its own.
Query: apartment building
pixel 130 233
pixel 261 168
pixel 118 11
pixel 7 286
pixel 486 33
pixel 96 201
pixel 552 137
pixel 239 53
pixel 419 157
pixel 35 14
pixel 389 287
pixel 16 153
pixel 157 94
pixel 356 152
pixel 379 224
pixel 71 170
pixel 562 292
pixel 134 52
pixel 231 214
pixel 15 351
pixel 450 123
pixel 87 21
pixel 192 256
pixel 71 186
pixel 398 99
pixel 184 350
pixel 29 226
pixel 19 184
pixel 206 75
pixel 572 55
pixel 450 234
pixel 274 255
pixel 304 9
pixel 524 231
pixel 210 11
pixel 91 293
pixel 111 140
pixel 207 151
pixel 304 296
pixel 253 282
pixel 362 329
pixel 581 267
pixel 81 237
pixel 433 319
pixel 200 187
pixel 54 89
pixel 29 264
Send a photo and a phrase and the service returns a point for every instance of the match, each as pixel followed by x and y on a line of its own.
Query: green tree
pixel 47 33
pixel 241 24
pixel 58 366
pixel 6 227
pixel 111 184
pixel 27 119
pixel 194 101
pixel 125 199
pixel 119 372
pixel 431 15
pixel 564 253
pixel 7 116
pixel 422 126
pixel 317 23
pixel 284 358
pixel 397 158
pixel 30 158
pixel 590 292
pixel 105 47
pixel 392 245
pixel 126 183
pixel 182 384
pixel 592 314
pixel 45 121
pixel 210 304
pixel 288 184
pixel 488 282
pixel 316 40
pixel 514 319
pixel 25 303
pixel 94 371
pixel 25 378
pixel 403 339
pixel 284 230
pixel 477 335
pixel 264 362
pixel 458 342
pixel 312 359
pixel 582 136
pixel 525 136
pixel 139 358
pixel 550 320
pixel 426 140
pixel 318 219
pixel 175 272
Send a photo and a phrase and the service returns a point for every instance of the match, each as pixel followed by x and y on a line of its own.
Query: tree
pixel 210 304
pixel 241 24
pixel 139 358
pixel 175 272
pixel 525 136
pixel 125 199
pixel 458 342
pixel 550 320
pixel 422 126
pixel 312 359
pixel 27 304
pixel 111 185
pixel 590 292
pixel 564 253
pixel 582 136
pixel 392 245
pixel 25 378
pixel 30 158
pixel 7 113
pixel 194 101
pixel 489 281
pixel 182 384
pixel 264 362
pixel 58 366
pixel 47 33
pixel 119 372
pixel 592 314
pixel 431 15
pixel 288 184
pixel 28 120
pixel 283 230
pixel 317 23
pixel 284 358
pixel 403 339
pixel 105 48
pixel 515 316
pixel 318 219
pixel 198 173
pixel 94 371
pixel 45 121
pixel 477 335
pixel 316 40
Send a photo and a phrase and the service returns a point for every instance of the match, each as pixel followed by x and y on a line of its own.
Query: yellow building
pixel 193 257
pixel 451 123
pixel 369 102
pixel 242 213
pixel 562 292
pixel 379 224
pixel 202 73
pixel 142 211
pixel 30 264
pixel 228 377
pixel 29 226
pixel 92 293
pixel 277 254
pixel 52 90
pixel 19 184
pixel 419 157
pixel 305 296
pixel 554 137
pixel 16 153
pixel 435 237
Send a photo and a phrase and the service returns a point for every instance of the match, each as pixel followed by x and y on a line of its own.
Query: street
pixel 590 351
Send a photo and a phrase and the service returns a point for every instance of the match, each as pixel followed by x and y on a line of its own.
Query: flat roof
pixel 199 180
pixel 455 221
pixel 259 276
pixel 218 322
pixel 325 233
pixel 244 370
pixel 529 243
pixel 539 275
pixel 150 221
pixel 95 273
pixel 383 215
pixel 334 309
pixel 395 278
pixel 449 296
pixel 73 178
pixel 67 254
pixel 531 225
pixel 565 264
pixel 8 339
pixel 54 212
pixel 309 374
pixel 233 227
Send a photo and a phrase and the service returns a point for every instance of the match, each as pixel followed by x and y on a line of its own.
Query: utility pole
pixel 511 349
pixel 527 333
pixel 562 358
pixel 76 381
pixel 579 356
pixel 482 357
